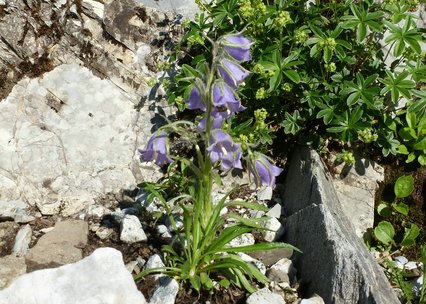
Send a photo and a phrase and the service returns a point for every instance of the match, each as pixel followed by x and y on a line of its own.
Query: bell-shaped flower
pixel 195 101
pixel 232 73
pixel 223 149
pixel 263 171
pixel 224 96
pixel 238 47
pixel 156 150
pixel 217 118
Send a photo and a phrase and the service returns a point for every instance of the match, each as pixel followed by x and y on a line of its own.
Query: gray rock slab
pixel 270 257
pixel 356 187
pixel 60 246
pixel 100 278
pixel 11 267
pixel 335 263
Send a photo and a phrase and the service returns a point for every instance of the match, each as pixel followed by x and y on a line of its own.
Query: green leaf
pixel 292 75
pixel 195 282
pixel 250 205
pixel 260 246
pixel 224 283
pixel 422 160
pixel 410 236
pixel 383 209
pixel 403 150
pixel 401 208
pixel 206 281
pixel 384 232
pixel 361 32
pixel 420 145
pixel 410 157
pixel 275 81
pixel 404 186
pixel 327 54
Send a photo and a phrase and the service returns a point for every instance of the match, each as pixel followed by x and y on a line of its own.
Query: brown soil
pixel 8 231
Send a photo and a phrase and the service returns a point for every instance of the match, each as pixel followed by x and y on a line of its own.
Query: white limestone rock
pixel 282 271
pixel 355 188
pixel 131 230
pixel 316 299
pixel 265 194
pixel 265 296
pixel 274 231
pixel 100 278
pixel 275 211
pixel 65 139
pixel 13 209
pixel 245 239
pixel 22 241
pixel 166 292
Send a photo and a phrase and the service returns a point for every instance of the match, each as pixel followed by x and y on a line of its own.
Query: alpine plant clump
pixel 203 254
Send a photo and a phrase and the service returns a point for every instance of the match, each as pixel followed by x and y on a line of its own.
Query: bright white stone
pixel 166 292
pixel 316 299
pixel 265 296
pixel 275 211
pixel 242 240
pixel 100 278
pixel 22 241
pixel 131 230
pixel 275 230
pixel 265 194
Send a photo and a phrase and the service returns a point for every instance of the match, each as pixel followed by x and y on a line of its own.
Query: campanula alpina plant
pixel 204 254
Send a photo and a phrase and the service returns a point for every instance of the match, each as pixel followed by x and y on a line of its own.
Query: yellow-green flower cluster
pixel 330 67
pixel 249 8
pixel 260 117
pixel 246 10
pixel 261 93
pixel 287 87
pixel 347 157
pixel 300 36
pixel 258 68
pixel 151 82
pixel 328 42
pixel 195 39
pixel 367 136
pixel 282 19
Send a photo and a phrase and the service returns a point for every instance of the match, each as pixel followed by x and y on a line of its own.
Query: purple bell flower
pixel 156 150
pixel 224 96
pixel 217 117
pixel 232 73
pixel 223 149
pixel 195 101
pixel 263 171
pixel 238 47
